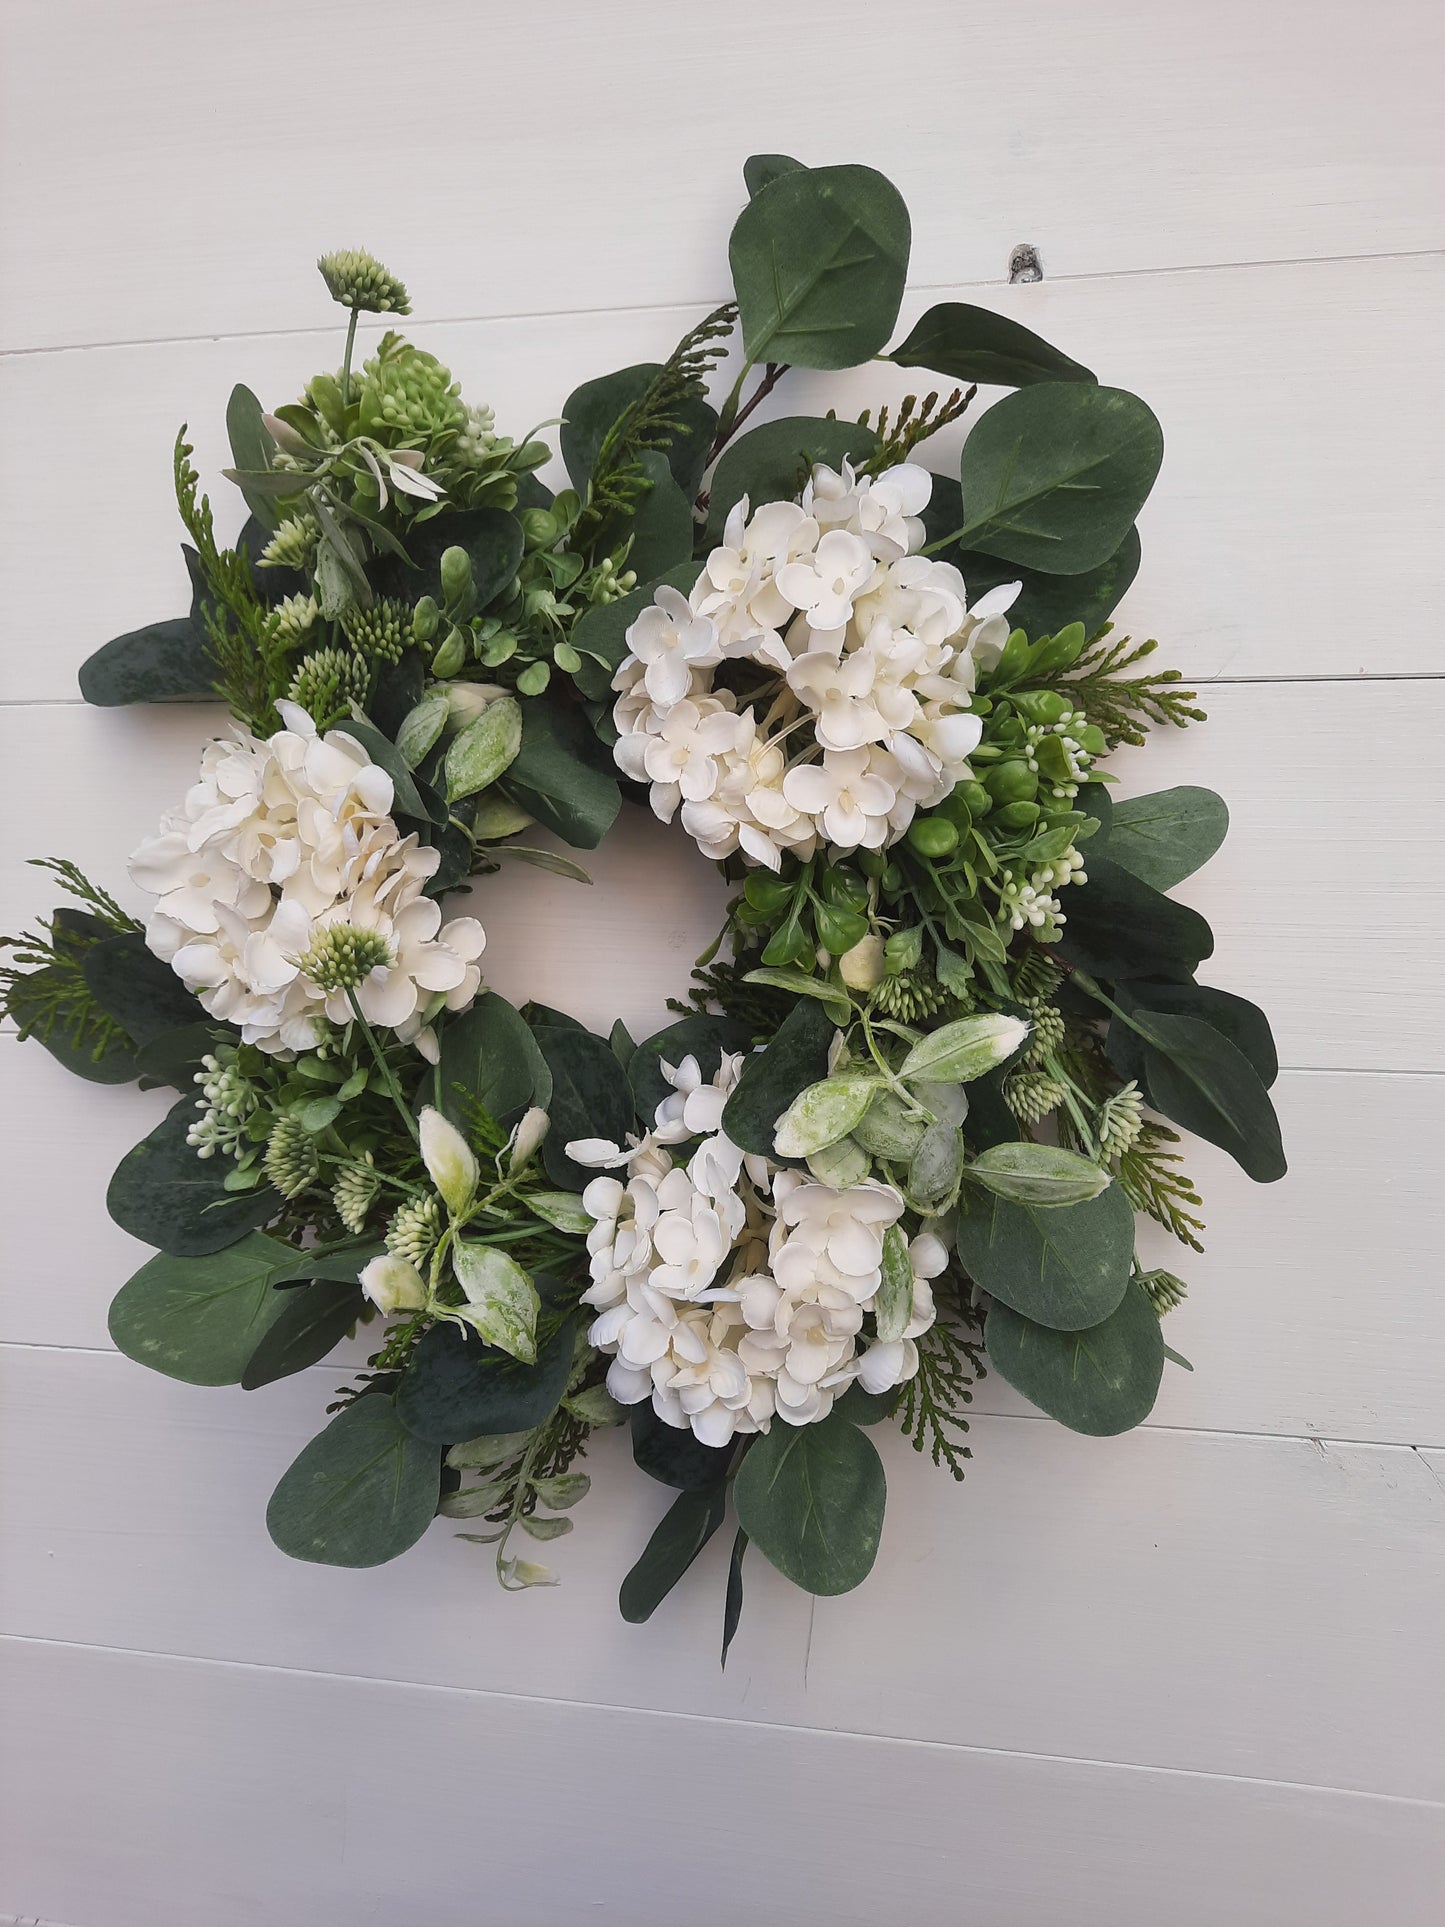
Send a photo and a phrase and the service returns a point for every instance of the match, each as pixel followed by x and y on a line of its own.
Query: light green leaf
pixel 822 1114
pixel 841 1165
pixel 893 1305
pixel 937 1166
pixel 562 1209
pixel 1029 1173
pixel 800 984
pixel 502 1302
pixel 484 749
pixel 968 1048
pixel 422 726
pixel 888 1129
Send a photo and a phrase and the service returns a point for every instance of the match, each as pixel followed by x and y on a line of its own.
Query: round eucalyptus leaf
pixel 311 1322
pixel 1166 837
pixel 1243 1023
pixel 1048 603
pixel 759 169
pixel 1054 475
pixel 143 995
pixel 1066 1266
pixel 703 1036
pixel 489 1055
pixel 673 1454
pixel 1099 1381
pixel 1199 1080
pixel 161 663
pixel 456 1388
pixel 360 1493
pixel 591 1097
pixel 201 1319
pixel 596 407
pixel 811 1499
pixel 1121 927
pixel 166 1196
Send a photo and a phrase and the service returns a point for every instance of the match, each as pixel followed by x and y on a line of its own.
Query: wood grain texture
pixel 522 1808
pixel 1055 1593
pixel 1304 887
pixel 166 179
pixel 1261 556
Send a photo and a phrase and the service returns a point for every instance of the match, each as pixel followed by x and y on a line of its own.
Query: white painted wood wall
pixel 1191 1675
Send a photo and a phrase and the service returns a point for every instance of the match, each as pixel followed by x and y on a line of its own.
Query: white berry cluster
pixel 732 1291
pixel 284 852
pixel 861 656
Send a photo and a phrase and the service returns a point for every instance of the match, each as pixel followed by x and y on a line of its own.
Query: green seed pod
pixel 1042 705
pixel 425 619
pixel 975 798
pixel 1017 816
pixel 892 879
pixel 1012 782
pixel 456 572
pixel 933 835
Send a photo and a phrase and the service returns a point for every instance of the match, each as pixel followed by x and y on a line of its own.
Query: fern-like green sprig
pixel 1124 706
pixel 43 989
pixel 911 425
pixel 950 1361
pixel 250 670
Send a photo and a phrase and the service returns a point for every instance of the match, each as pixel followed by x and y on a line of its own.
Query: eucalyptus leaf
pixel 673 1454
pixel 166 1196
pixel 359 1494
pixel 408 800
pixel 759 169
pixel 201 1319
pixel 133 986
pixel 1065 1266
pixel 455 1387
pixel 771 1079
pixel 1243 1023
pixel 1043 1174
pixel 811 1498
pixel 591 1098
pixel 252 447
pixel 311 1322
pixel 600 634
pixel 1048 603
pixel 1199 1080
pixel 733 1598
pixel 688 1524
pixel 660 527
pixel 594 408
pixel 556 776
pixel 160 663
pixel 1167 836
pixel 493 541
pixel 489 1055
pixel 819 258
pixel 1099 1381
pixel 1054 475
pixel 1121 927
pixel 800 984
pixel 970 344
pixel 771 463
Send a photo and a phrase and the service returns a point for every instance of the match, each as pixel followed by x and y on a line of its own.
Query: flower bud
pixel 393 1285
pixel 448 1159
pixel 467 700
pixel 528 1136
pixel 861 967
pixel 456 572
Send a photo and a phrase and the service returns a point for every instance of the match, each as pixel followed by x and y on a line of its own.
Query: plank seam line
pixel 719 1719
pixel 1324 1440
pixel 1353 681
pixel 420 321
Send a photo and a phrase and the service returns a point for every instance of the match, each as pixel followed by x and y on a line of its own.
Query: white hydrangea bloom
pixel 862 646
pixel 729 1291
pixel 275 843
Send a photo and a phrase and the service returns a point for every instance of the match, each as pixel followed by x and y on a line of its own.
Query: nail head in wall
pixel 1024 264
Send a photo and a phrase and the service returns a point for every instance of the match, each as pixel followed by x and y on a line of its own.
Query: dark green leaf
pixel 558 776
pixel 252 447
pixel 163 662
pixel 1049 603
pixel 1199 1080
pixel 797 1057
pixel 491 537
pixel 811 1498
pixel 819 258
pixel 1100 1381
pixel 661 525
pixel 1054 476
pixel 166 1196
pixel 687 1525
pixel 456 1388
pixel 704 1037
pixel 1065 1266
pixel 591 1097
pixel 175 1056
pixel 116 1064
pixel 131 984
pixel 866 1408
pixel 673 1454
pixel 1119 926
pixel 489 1055
pixel 310 1323
pixel 975 344
pixel 200 1319
pixel 759 169
pixel 361 1493
pixel 1243 1023
pixel 771 463
pixel 1166 837
pixel 733 1602
pixel 593 408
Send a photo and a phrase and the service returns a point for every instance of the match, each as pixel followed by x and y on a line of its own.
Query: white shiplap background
pixel 1194 1674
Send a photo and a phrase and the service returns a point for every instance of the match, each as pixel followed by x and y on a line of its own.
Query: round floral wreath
pixel 880 697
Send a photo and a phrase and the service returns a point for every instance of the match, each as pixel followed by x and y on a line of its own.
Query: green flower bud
pixel 456 573
pixel 1012 782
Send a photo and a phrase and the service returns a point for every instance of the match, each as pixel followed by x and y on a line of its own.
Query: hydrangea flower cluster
pixel 278 848
pixel 730 1290
pixel 865 654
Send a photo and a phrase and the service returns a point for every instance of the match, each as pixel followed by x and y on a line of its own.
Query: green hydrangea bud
pixel 358 280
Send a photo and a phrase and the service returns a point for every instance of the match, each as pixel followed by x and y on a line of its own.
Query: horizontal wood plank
pixel 164 196
pixel 212 1793
pixel 1055 1592
pixel 1260 558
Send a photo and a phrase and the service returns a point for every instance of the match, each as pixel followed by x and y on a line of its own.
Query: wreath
pixel 921 1086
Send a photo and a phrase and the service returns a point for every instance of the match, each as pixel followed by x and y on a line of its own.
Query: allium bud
pixel 393 1285
pixel 358 280
pixel 448 1158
